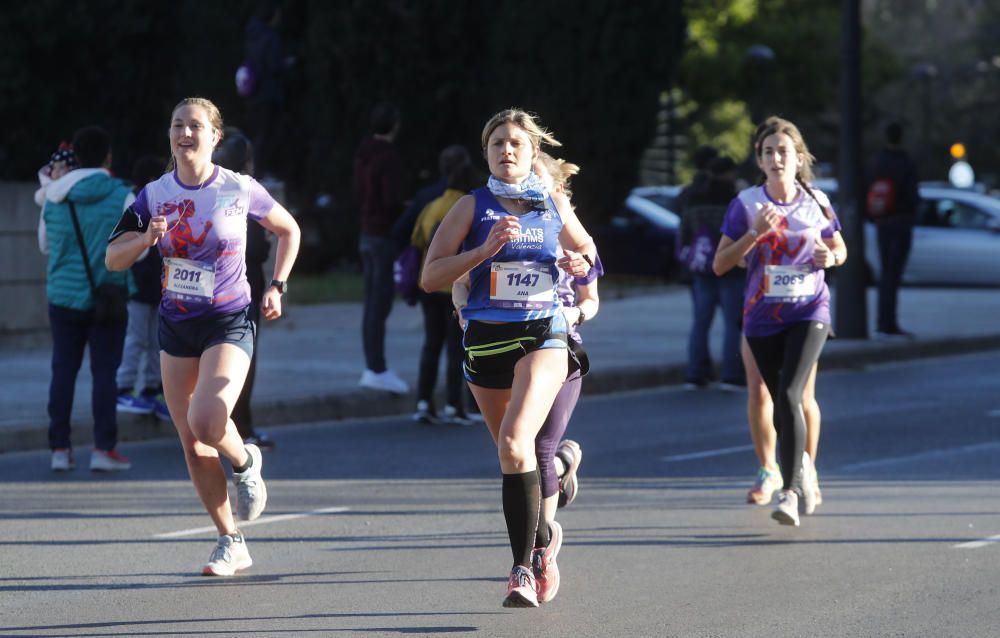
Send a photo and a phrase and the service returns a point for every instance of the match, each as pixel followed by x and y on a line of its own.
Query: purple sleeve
pixel 832 227
pixel 261 201
pixel 735 224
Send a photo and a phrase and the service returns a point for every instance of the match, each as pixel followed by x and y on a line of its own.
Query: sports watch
pixel 282 286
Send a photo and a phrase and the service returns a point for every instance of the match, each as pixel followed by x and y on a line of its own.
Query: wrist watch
pixel 754 233
pixel 282 286
pixel 581 318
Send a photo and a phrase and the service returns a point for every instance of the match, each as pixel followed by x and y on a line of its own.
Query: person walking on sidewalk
pixel 891 204
pixel 703 212
pixel 196 216
pixel 787 234
pixel 81 208
pixel 378 193
pixel 517 356
pixel 139 388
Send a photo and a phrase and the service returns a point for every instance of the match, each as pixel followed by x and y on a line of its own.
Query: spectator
pixel 892 205
pixel 450 158
pixel 81 209
pixel 378 187
pixel 139 388
pixel 701 221
pixel 700 158
pixel 235 152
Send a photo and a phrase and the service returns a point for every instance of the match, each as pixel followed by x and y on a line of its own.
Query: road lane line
pixel 993 413
pixel 264 520
pixel 707 453
pixel 984 542
pixel 929 455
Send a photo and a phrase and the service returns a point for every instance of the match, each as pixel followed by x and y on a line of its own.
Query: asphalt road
pixel 386 528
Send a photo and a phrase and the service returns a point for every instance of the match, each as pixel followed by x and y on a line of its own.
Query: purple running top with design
pixel 783 285
pixel 204 250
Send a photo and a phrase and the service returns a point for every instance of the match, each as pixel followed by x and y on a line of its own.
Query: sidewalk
pixel 310 360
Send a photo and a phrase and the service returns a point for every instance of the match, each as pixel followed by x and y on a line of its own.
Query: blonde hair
pixel 774 125
pixel 214 118
pixel 560 170
pixel 525 121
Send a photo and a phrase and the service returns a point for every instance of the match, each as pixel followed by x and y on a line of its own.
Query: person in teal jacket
pixel 100 200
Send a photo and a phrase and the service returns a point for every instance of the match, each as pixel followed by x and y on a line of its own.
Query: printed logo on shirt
pixel 229 205
pixel 529 238
pixel 491 215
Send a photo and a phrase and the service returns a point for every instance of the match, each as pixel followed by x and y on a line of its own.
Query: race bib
pixel 525 285
pixel 188 280
pixel 789 283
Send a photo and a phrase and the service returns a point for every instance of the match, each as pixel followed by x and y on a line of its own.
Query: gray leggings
pixel 785 361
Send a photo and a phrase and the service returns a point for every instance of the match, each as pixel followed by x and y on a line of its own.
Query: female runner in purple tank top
pixel 787 234
pixel 196 216
pixel 517 357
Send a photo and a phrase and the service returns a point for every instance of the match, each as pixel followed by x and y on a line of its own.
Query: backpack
pixel 881 198
pixel 246 79
pixel 405 270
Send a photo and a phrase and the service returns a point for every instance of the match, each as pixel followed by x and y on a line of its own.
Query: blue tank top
pixel 519 282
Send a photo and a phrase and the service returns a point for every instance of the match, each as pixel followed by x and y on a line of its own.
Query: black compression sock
pixel 521 501
pixel 542 536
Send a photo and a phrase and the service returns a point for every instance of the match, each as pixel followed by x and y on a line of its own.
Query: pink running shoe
pixel 521 588
pixel 543 564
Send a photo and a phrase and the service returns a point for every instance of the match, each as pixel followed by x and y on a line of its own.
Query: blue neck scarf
pixel 531 189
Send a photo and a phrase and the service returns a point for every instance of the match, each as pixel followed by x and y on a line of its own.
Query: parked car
pixel 640 238
pixel 956 240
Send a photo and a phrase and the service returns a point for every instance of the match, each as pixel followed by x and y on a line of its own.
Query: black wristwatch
pixel 282 286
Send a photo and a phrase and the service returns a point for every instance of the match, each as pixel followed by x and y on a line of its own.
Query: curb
pixel 366 403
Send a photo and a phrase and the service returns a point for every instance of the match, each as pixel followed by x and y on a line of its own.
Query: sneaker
pixel 261 440
pixel 808 485
pixel 571 455
pixel 543 565
pixel 476 418
pixel 134 404
pixel 423 415
pixel 388 381
pixel 521 588
pixel 764 486
pixel 732 386
pixel 160 410
pixel 229 556
pixel 695 384
pixel 786 511
pixel 251 493
pixel 452 416
pixel 108 461
pixel 62 460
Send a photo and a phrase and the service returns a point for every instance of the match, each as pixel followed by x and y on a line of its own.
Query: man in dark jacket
pixel 378 188
pixel 892 200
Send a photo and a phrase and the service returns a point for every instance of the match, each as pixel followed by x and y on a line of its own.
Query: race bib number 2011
pixel 189 280
pixel 522 285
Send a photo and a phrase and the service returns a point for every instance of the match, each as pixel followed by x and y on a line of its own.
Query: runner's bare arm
pixel 444 263
pixel 127 246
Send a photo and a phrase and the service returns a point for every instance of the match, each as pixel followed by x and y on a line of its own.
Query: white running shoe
pixel 451 416
pixel 388 381
pixel 229 556
pixel 251 493
pixel 108 461
pixel 786 511
pixel 808 485
pixel 62 460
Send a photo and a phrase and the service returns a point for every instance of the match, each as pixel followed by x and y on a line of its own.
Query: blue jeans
pixel 894 241
pixel 707 292
pixel 72 331
pixel 377 256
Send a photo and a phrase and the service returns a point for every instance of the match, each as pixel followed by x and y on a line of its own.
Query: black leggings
pixel 785 361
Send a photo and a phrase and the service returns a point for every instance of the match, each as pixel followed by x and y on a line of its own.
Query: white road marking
pixel 264 520
pixel 707 453
pixel 980 543
pixel 929 455
pixel 995 413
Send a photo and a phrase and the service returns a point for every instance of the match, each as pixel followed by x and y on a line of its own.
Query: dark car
pixel 640 238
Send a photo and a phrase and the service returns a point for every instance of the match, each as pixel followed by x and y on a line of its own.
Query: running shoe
pixel 387 380
pixel 131 403
pixel 764 486
pixel 108 461
pixel 261 440
pixel 229 556
pixel 452 416
pixel 543 564
pixel 571 455
pixel 160 410
pixel 62 460
pixel 786 511
pixel 808 485
pixel 251 493
pixel 521 588
pixel 423 415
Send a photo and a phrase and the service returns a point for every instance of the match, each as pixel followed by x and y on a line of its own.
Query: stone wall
pixel 22 266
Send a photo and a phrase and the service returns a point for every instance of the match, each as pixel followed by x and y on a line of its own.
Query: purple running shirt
pixel 204 250
pixel 783 285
